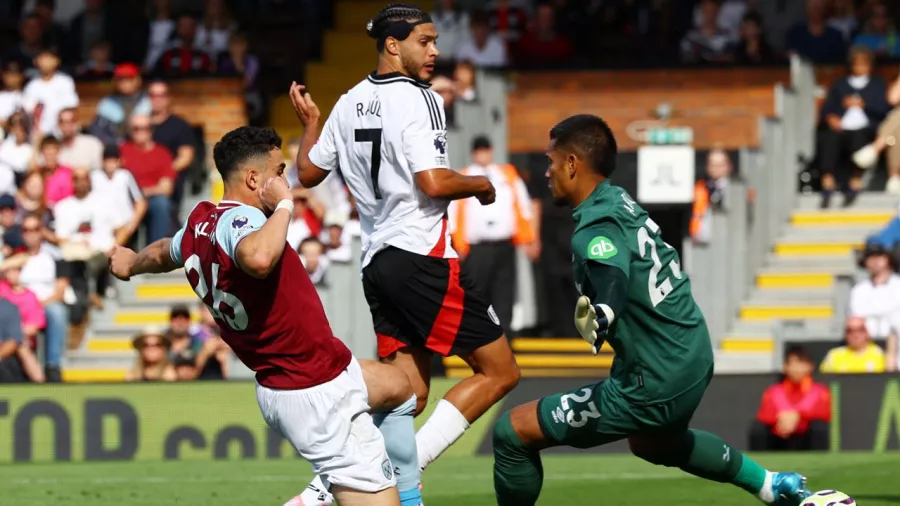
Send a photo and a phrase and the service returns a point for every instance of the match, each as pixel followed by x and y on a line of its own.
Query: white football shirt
pixel 379 135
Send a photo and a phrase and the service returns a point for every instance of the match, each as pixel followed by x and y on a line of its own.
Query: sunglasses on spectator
pixel 31 229
pixel 152 344
pixel 140 128
pixel 158 95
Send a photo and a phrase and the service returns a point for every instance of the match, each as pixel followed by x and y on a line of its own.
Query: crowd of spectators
pixel 71 191
pixel 185 351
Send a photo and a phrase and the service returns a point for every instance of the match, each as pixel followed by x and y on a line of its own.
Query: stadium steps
pixel 106 352
pixel 798 282
pixel 347 56
pixel 548 357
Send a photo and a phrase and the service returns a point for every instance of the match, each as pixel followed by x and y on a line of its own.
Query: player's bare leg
pixel 709 457
pixel 518 472
pixel 416 364
pixel 495 374
pixel 388 386
pixel 393 405
pixel 350 497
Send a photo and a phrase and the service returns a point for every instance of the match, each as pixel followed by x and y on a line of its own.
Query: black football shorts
pixel 425 301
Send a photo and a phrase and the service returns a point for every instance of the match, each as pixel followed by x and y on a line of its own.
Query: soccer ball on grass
pixel 829 498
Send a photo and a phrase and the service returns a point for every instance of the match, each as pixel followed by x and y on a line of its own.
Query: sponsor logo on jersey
pixel 558 415
pixel 440 143
pixel 387 469
pixel 601 248
pixel 493 315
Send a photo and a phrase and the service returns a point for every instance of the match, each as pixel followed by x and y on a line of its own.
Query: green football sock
pixel 707 456
pixel 518 472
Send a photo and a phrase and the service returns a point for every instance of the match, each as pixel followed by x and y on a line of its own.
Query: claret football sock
pixel 445 425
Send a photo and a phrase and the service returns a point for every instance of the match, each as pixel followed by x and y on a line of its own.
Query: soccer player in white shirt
pixel 387 135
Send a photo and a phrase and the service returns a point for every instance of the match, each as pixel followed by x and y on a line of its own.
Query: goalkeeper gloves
pixel 591 323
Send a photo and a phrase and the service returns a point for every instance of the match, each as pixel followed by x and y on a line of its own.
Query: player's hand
pixel 306 109
pixel 274 191
pixel 488 195
pixel 591 325
pixel 121 259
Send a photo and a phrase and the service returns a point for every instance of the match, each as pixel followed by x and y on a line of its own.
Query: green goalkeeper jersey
pixel 661 343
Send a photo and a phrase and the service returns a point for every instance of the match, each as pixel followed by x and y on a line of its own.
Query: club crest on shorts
pixel 493 315
pixel 387 469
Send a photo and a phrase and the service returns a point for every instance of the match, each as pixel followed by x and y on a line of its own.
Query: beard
pixel 413 69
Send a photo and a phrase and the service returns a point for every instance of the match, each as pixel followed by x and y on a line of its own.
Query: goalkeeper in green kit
pixel 636 297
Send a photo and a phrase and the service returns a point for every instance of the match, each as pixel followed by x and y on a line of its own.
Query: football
pixel 829 498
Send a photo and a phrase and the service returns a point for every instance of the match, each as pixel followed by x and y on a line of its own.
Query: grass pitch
pixel 872 479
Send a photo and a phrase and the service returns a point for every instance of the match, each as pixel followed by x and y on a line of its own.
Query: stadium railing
pixel 744 230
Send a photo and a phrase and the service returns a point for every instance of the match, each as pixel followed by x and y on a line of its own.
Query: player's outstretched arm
pixel 450 185
pixel 154 259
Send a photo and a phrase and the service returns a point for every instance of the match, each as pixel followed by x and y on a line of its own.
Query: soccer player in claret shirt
pixel 309 386
pixel 635 297
pixel 388 137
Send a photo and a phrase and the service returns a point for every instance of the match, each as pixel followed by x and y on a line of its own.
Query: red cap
pixel 126 70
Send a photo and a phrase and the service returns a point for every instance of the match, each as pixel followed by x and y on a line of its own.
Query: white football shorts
pixel 330 426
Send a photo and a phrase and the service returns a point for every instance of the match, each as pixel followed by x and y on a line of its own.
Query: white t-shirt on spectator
pixel 493 54
pixel 118 193
pixel 297 231
pixel 879 305
pixel 39 272
pixel 7 180
pixel 855 117
pixel 731 15
pixel 10 101
pixel 84 220
pixel 15 156
pixel 56 94
pixel 85 151
pixel 212 42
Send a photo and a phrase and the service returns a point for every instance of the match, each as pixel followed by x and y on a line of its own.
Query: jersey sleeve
pixel 236 224
pixel 325 154
pixel 424 134
pixel 175 245
pixel 603 242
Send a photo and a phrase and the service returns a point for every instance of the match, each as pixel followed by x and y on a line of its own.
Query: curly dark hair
pixel 242 144
pixel 379 27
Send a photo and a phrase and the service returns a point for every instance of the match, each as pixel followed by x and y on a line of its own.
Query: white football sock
pixel 442 429
pixel 765 494
pixel 316 494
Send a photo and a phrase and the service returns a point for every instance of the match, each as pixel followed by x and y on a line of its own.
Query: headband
pixel 399 30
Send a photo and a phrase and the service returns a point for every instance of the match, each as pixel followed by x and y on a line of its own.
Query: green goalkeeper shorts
pixel 598 414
